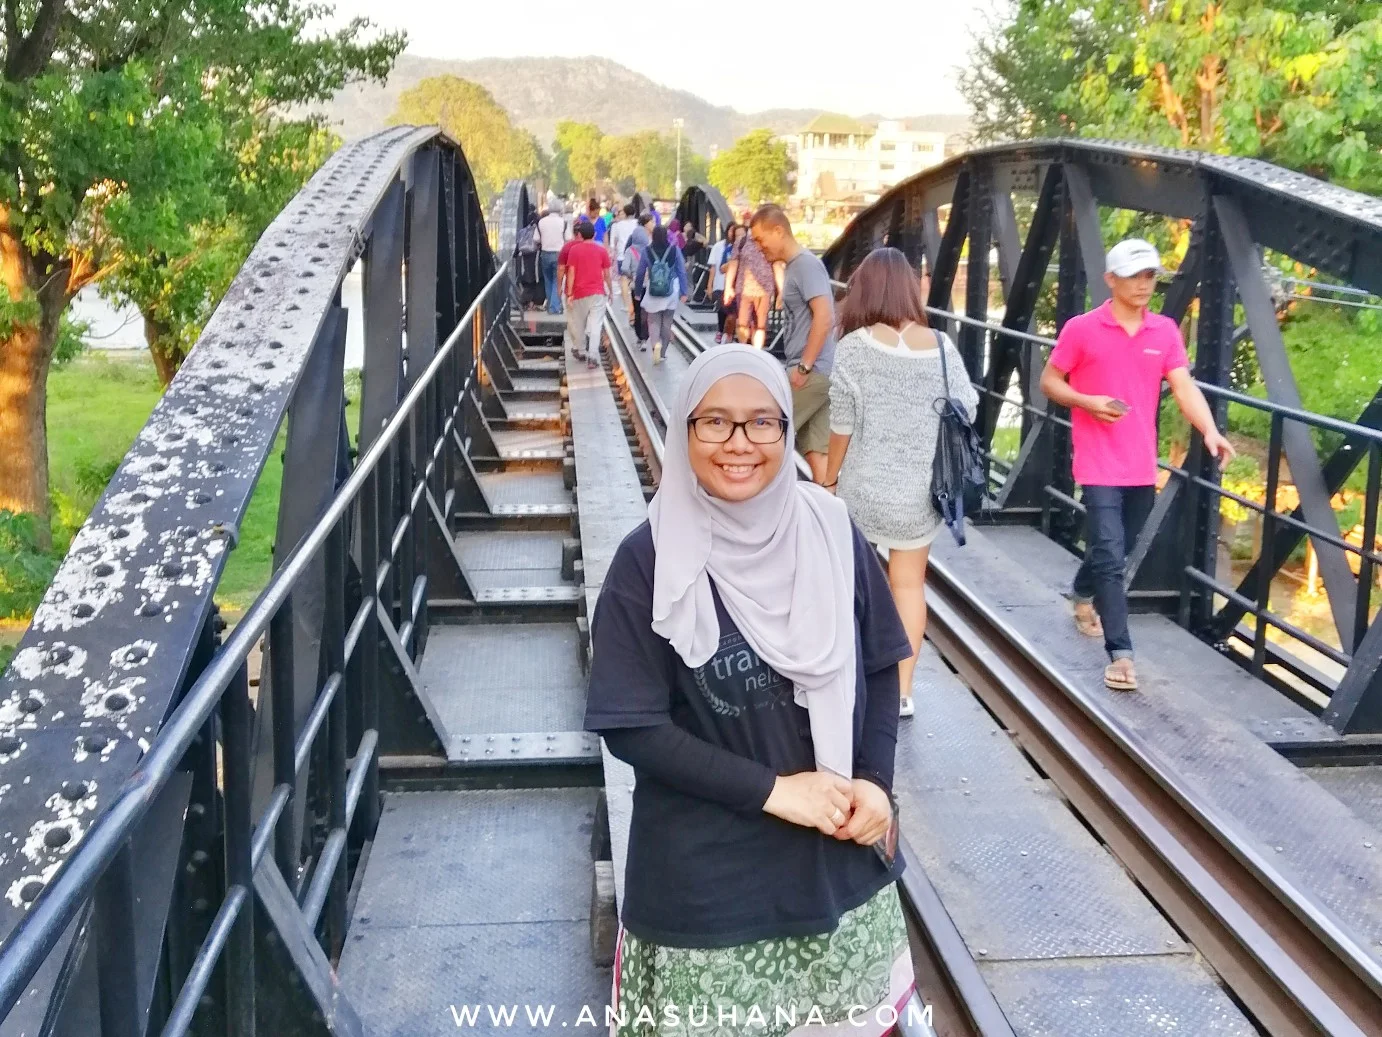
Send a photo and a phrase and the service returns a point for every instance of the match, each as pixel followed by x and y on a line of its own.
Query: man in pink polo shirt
pixel 1107 368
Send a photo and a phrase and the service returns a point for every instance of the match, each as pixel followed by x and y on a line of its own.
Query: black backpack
pixel 957 474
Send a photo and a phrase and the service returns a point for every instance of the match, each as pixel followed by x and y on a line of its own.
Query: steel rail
pixel 1285 956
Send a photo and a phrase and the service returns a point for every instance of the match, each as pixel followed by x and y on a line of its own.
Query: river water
pixel 122 328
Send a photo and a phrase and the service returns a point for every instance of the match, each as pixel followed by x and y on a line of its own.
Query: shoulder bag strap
pixel 942 340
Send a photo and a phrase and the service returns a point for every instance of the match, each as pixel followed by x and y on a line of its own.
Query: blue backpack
pixel 660 274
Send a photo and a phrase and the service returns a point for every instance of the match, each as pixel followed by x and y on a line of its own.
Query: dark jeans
pixel 549 280
pixel 1114 516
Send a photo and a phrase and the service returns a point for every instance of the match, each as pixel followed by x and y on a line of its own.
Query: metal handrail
pixel 1368 439
pixel 1321 421
pixel 22 954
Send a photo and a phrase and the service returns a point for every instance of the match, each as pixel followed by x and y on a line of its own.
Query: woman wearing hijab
pixel 744 662
pixel 884 426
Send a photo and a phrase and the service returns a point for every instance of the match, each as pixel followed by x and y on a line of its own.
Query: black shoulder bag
pixel 957 474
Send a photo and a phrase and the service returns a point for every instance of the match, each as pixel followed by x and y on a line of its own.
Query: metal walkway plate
pixel 1195 712
pixel 608 490
pixel 529 442
pixel 1358 788
pixel 1045 910
pixel 504 678
pixel 611 506
pixel 1023 879
pixel 503 551
pixel 1126 997
pixel 1179 661
pixel 475 899
pixel 526 493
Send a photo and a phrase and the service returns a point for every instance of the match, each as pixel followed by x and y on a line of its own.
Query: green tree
pixel 1290 81
pixel 114 125
pixel 756 165
pixel 1019 84
pixel 496 150
pixel 647 161
pixel 179 288
pixel 695 168
pixel 578 157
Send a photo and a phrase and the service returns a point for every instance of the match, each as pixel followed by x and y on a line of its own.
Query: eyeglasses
pixel 759 431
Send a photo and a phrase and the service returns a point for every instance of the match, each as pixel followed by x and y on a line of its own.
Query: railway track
pixel 1294 967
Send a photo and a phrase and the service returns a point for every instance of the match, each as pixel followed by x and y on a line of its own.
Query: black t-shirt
pixel 707 867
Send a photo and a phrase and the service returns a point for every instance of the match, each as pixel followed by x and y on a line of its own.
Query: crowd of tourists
pixel 751 654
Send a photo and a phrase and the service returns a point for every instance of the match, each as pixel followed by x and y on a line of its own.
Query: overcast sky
pixel 894 57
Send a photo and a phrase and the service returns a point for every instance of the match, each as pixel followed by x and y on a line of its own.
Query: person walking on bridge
pixel 808 302
pixel 744 663
pixel 750 281
pixel 586 287
pixel 1107 368
pixel 619 234
pixel 552 236
pixel 721 253
pixel 884 426
pixel 639 240
pixel 661 277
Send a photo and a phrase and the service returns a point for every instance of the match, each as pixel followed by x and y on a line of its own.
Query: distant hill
pixel 540 92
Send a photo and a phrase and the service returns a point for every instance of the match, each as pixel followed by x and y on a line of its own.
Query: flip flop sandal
pixel 1116 679
pixel 1090 626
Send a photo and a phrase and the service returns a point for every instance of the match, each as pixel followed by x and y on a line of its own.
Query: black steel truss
pixel 1237 208
pixel 196 890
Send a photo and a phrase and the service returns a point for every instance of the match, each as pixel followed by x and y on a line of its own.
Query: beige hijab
pixel 782 561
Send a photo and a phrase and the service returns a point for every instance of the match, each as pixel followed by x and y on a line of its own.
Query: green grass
pixel 96 406
pixel 251 564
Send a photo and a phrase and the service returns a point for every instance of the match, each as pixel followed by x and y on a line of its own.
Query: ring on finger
pixel 837 817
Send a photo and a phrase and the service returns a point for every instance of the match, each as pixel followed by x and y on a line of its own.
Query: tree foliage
pixel 119 123
pixel 756 165
pixel 578 157
pixel 583 158
pixel 647 161
pixel 1291 81
pixel 497 150
pixel 178 288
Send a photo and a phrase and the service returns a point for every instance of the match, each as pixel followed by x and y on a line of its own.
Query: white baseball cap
pixel 1132 257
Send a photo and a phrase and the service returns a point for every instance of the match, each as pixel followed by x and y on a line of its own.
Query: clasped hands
pixel 857 809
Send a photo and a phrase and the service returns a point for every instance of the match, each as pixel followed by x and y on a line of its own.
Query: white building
pixel 838 157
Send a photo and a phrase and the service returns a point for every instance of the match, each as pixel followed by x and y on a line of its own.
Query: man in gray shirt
pixel 808 302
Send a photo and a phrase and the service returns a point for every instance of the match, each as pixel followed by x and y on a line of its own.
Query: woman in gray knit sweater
pixel 883 423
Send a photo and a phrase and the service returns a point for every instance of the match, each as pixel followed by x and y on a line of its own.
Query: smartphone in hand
pixel 1118 405
pixel 886 848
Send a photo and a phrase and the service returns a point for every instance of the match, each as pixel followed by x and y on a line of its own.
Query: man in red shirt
pixel 584 273
pixel 1107 367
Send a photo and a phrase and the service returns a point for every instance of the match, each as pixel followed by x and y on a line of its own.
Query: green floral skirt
pixel 850 981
